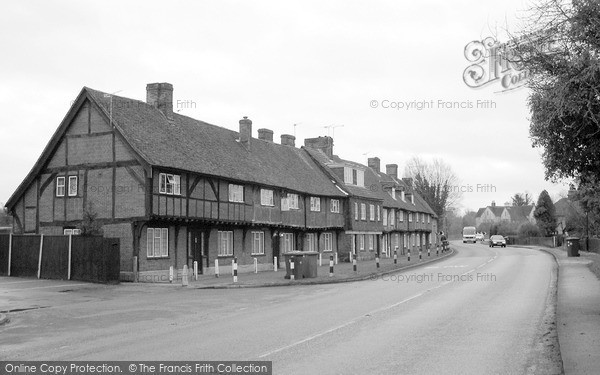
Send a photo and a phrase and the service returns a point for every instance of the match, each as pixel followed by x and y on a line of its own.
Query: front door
pixel 199 250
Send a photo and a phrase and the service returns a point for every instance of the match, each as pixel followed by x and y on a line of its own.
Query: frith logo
pixel 493 62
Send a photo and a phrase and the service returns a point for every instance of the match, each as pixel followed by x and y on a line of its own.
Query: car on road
pixel 497 240
pixel 479 236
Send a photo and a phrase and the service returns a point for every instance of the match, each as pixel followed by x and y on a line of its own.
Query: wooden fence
pixel 95 259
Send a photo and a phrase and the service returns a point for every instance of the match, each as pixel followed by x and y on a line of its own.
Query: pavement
pixel 578 312
pixel 343 272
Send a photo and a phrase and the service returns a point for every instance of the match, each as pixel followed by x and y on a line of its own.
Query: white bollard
pixel 216 268
pixel 255 265
pixel 184 276
pixel 196 270
pixel 292 268
pixel 234 270
pixel 275 262
pixel 232 262
pixel 171 274
pixel 336 258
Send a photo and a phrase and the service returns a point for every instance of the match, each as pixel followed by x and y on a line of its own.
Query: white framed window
pixel 372 212
pixel 258 243
pixel 266 197
pixel 385 217
pixel 328 241
pixel 378 213
pixel 355 211
pixel 288 242
pixel 423 218
pixel 60 186
pixel 293 201
pixel 335 205
pixel 169 184
pixel 402 196
pixel 410 217
pixel 353 246
pixel 348 176
pixel 360 178
pixel 428 219
pixel 401 215
pixel 311 240
pixel 417 217
pixel 72 186
pixel 405 241
pixel 71 231
pixel 371 242
pixel 363 211
pixel 236 193
pixel 157 245
pixel 285 204
pixel 361 242
pixel 392 217
pixel 225 243
pixel 315 204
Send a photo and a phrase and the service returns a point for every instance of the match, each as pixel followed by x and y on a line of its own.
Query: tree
pixel 90 226
pixel 436 182
pixel 560 47
pixel 528 229
pixel 545 214
pixel 468 219
pixel 520 199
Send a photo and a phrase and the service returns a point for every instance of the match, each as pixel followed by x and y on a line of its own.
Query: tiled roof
pixel 196 146
pixel 480 211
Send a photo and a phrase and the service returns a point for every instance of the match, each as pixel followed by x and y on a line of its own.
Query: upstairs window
pixel 417 217
pixel 315 204
pixel 385 217
pixel 60 186
pixel 378 213
pixel 354 176
pixel 293 201
pixel 372 212
pixel 236 193
pixel 392 217
pixel 72 186
pixel 428 219
pixel 410 217
pixel 355 211
pixel 363 211
pixel 423 218
pixel 266 197
pixel 169 184
pixel 401 215
pixel 335 205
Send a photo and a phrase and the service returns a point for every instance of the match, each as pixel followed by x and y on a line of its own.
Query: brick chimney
pixel 160 95
pixel 245 131
pixel 324 144
pixel 374 163
pixel 288 140
pixel 493 203
pixel 265 134
pixel 391 170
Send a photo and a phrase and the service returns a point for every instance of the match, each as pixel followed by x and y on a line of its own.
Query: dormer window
pixel 402 196
pixel 354 177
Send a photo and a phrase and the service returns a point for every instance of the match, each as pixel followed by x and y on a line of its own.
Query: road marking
pixel 356 320
pixel 46 287
pixel 18 282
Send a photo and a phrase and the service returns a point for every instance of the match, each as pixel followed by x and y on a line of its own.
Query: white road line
pixel 46 287
pixel 356 320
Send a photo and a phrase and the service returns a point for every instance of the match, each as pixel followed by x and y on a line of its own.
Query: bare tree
pixel 436 182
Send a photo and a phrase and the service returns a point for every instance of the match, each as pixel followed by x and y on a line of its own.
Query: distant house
pixel 497 214
pixel 566 210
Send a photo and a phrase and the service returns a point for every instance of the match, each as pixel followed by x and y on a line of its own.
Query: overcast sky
pixel 280 63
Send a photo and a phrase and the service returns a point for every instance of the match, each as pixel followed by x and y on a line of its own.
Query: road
pixel 478 312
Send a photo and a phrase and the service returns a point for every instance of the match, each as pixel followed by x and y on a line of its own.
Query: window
pixel 328 239
pixel 169 184
pixel 417 217
pixel 225 243
pixel 315 204
pixel 423 218
pixel 258 243
pixel 71 231
pixel 236 193
pixel 157 242
pixel 72 186
pixel 335 205
pixel 363 211
pixel 428 219
pixel 355 211
pixel 311 240
pixel 372 212
pixel 360 178
pixel 266 197
pixel 392 217
pixel 402 196
pixel 378 213
pixel 288 242
pixel 405 241
pixel 354 177
pixel 348 176
pixel 60 186
pixel 385 218
pixel 401 215
pixel 293 201
pixel 410 217
pixel 371 242
pixel 353 247
pixel 361 242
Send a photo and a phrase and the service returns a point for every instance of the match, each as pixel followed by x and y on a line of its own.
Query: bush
pixel 529 230
pixel 504 228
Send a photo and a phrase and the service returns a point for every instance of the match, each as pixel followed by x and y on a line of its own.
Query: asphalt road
pixel 478 312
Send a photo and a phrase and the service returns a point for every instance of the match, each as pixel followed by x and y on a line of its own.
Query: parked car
pixel 497 240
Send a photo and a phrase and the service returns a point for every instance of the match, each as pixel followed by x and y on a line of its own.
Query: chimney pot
pixel 160 95
pixel 288 140
pixel 374 163
pixel 392 170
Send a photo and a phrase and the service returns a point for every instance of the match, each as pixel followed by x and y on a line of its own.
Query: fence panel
pixel 4 240
pixel 95 259
pixel 25 255
pixel 55 257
